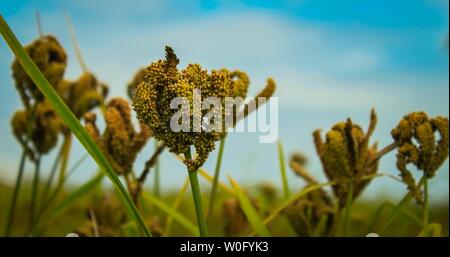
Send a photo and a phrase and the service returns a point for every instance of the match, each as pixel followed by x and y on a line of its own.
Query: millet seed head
pixel 43 131
pixel 415 136
pixel 83 94
pixel 50 58
pixel 138 78
pixel 119 142
pixel 346 156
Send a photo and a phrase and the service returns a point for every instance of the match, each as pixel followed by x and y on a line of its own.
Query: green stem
pixel 49 201
pixel 195 187
pixel 216 179
pixel 398 209
pixel 15 194
pixel 20 172
pixel 156 183
pixel 348 209
pixel 34 192
pixel 65 158
pixel 283 170
pixel 426 208
pixel 49 183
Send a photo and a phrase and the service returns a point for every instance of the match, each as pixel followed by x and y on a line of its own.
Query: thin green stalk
pixel 348 209
pixel 48 202
pixel 398 209
pixel 390 206
pixel 156 183
pixel 71 121
pixel 49 183
pixel 34 192
pixel 15 194
pixel 73 37
pixel 283 170
pixel 12 208
pixel 196 195
pixel 65 158
pixel 250 212
pixel 180 218
pixel 38 24
pixel 175 205
pixel 216 179
pixel 426 208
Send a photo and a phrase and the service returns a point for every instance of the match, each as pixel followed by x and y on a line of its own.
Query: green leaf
pixel 432 230
pixel 78 194
pixel 70 120
pixel 250 212
pixel 172 212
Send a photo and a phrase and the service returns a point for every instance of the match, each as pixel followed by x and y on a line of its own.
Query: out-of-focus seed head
pixel 50 58
pixel 312 215
pixel 297 163
pixel 138 78
pixel 415 136
pixel 84 94
pixel 120 142
pixel 346 156
pixel 106 216
pixel 235 220
pixel 43 131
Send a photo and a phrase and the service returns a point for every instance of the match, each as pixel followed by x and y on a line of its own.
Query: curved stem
pixel 383 152
pixel 15 194
pixel 148 165
pixel 216 179
pixel 196 195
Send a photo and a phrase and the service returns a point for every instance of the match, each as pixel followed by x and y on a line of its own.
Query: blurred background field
pixel 76 218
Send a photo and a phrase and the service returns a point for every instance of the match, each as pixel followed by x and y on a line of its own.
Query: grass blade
pixel 398 209
pixel 16 191
pixel 210 178
pixel 216 179
pixel 70 120
pixel 172 212
pixel 78 194
pixel 283 170
pixel 250 212
pixel 175 205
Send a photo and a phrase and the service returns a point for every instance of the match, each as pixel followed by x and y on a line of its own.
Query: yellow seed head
pixel 50 58
pixel 346 156
pixel 120 142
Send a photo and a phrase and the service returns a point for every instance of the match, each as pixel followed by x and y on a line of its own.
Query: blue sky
pixel 330 59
